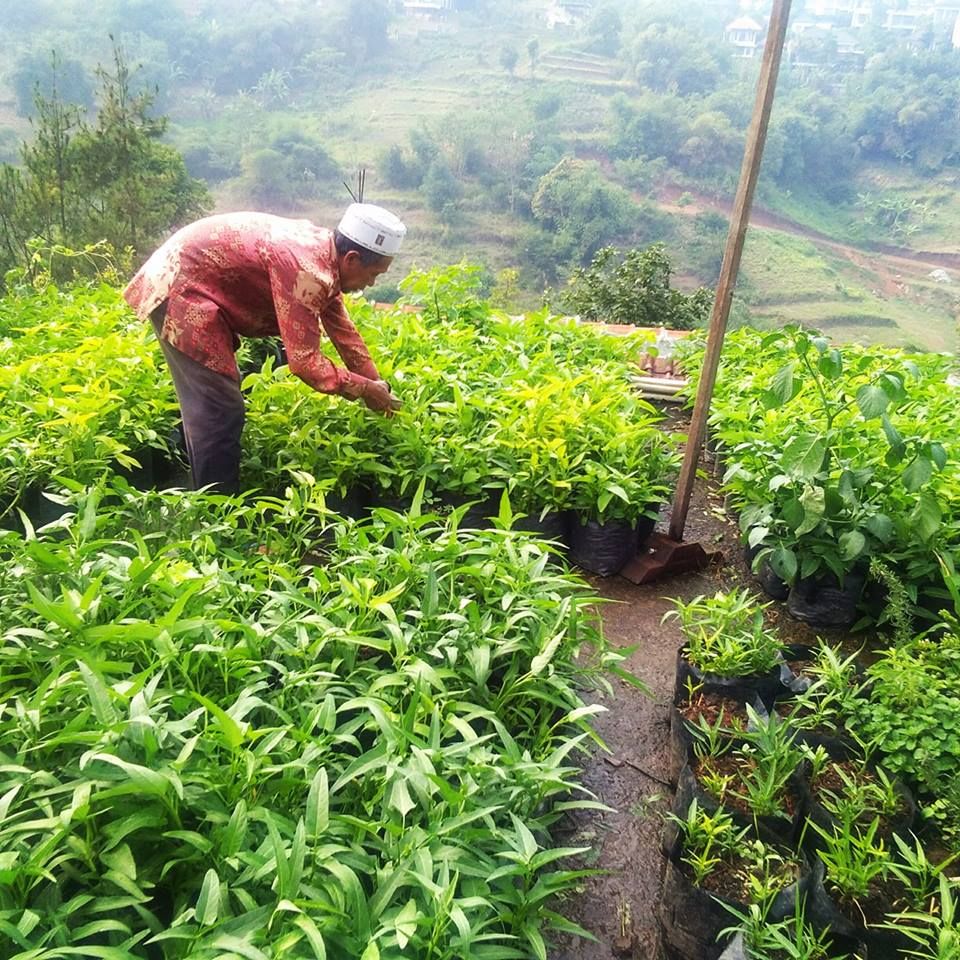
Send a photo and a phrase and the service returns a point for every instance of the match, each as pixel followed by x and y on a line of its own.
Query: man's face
pixel 355 275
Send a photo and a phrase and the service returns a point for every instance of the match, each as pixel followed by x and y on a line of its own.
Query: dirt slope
pixel 889 263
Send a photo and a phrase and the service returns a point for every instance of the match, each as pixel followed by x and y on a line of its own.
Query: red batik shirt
pixel 254 275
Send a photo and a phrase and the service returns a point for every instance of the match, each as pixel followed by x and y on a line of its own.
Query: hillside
pixel 462 121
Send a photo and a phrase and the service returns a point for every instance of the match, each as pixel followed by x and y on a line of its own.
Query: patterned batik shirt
pixel 254 275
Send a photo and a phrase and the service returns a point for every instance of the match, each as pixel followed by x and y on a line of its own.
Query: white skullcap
pixel 373 228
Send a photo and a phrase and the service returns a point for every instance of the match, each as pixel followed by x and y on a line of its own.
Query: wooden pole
pixel 749 171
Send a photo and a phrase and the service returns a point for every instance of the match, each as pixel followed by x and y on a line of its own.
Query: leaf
pixel 542 660
pixel 318 805
pixel 872 401
pixel 58 613
pixel 88 516
pixel 938 454
pixel 782 387
pixel 232 944
pixel 792 512
pixel 881 527
pixel 783 562
pixel 803 455
pixel 813 500
pixel 372 952
pixel 757 535
pixel 927 516
pixel 831 364
pixel 313 935
pixel 232 732
pixel 7 799
pixel 917 474
pixel 505 512
pixel 852 544
pixel 400 799
pixel 99 695
pixel 406 923
pixel 208 903
pixel 898 448
pixel 527 840
pixel 151 781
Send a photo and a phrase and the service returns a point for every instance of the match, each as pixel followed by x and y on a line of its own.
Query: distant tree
pixel 50 161
pixel 712 145
pixel 209 162
pixel 400 169
pixel 266 178
pixel 509 58
pixel 425 147
pixel 154 18
pixel 364 29
pixel 585 211
pixel 440 187
pixel 533 53
pixel 112 180
pixel 53 77
pixel 634 288
pixel 904 107
pixel 666 58
pixel 814 48
pixel 273 88
pixel 649 126
pixel 604 30
pixel 547 105
pixel 286 169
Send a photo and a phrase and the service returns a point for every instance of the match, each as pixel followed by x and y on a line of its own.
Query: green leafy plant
pixel 793 938
pixel 837 457
pixel 634 288
pixel 361 756
pixel 771 757
pixel 726 634
pixel 825 513
pixel 936 932
pixel 853 857
pixel 706 839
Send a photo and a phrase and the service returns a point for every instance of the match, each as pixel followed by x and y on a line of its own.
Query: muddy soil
pixel 619 906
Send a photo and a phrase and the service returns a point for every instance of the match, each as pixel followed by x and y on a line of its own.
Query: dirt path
pixel 888 263
pixel 619 907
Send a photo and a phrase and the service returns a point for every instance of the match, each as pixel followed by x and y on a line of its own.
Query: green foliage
pixel 707 839
pixel 581 208
pixel 634 288
pixel 532 405
pixel 649 126
pixel 440 187
pixel 111 181
pixel 288 168
pixel 901 108
pixel 81 388
pixel 49 78
pixel 726 634
pixel 837 457
pixel 911 715
pixel 509 56
pixel 213 750
pixel 794 937
pixel 667 58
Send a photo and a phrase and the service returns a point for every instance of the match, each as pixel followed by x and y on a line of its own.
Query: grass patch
pixel 886 322
pixel 780 268
pixel 810 210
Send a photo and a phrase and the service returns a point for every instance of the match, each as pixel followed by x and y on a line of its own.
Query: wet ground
pixel 618 907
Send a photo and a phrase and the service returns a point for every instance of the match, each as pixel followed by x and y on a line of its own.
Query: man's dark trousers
pixel 213 413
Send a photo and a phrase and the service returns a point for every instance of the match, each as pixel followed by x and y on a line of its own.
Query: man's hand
pixel 377 396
